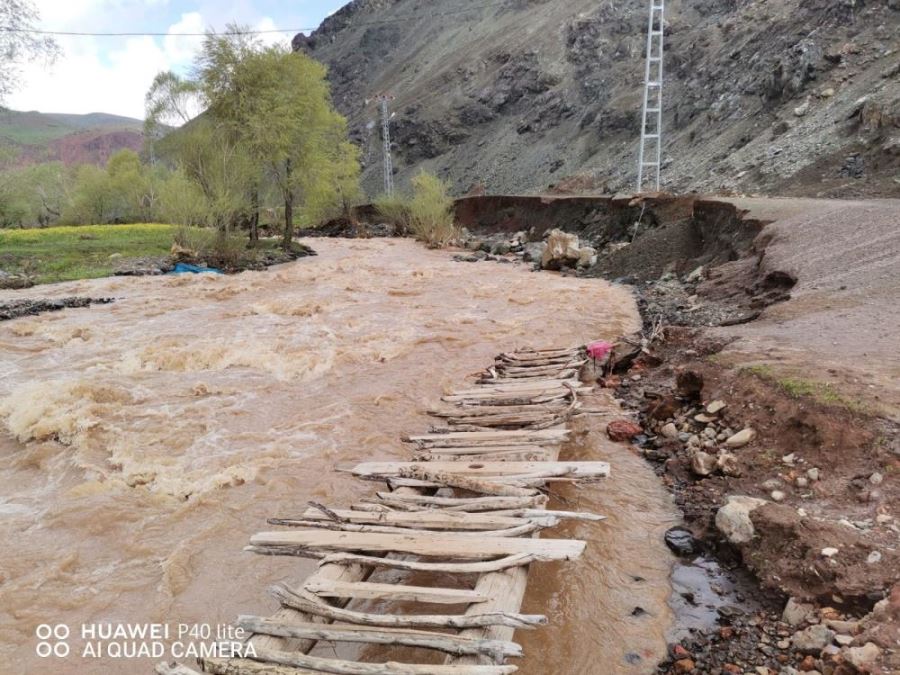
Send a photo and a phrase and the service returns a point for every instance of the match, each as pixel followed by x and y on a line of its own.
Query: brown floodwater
pixel 142 442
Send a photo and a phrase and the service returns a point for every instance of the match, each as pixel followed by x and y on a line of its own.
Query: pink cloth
pixel 599 349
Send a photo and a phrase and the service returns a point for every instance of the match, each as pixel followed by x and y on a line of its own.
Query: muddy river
pixel 142 442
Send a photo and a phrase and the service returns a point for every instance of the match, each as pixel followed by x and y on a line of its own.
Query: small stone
pixel 669 431
pixel 710 433
pixel 694 441
pixel 812 640
pixel 741 438
pixel 843 640
pixel 829 552
pixel 789 459
pixel 783 644
pixel 727 463
pixel 679 652
pixel 808 664
pixel 684 666
pixel 863 658
pixel 771 484
pixel 681 541
pixel 813 474
pixel 795 612
pixel 883 519
pixel 716 407
pixel 777 496
pixel 827 93
pixel 622 430
pixel 802 482
pixel 874 558
pixel 684 437
pixel 876 478
pixel 703 463
pixel 844 627
pixel 762 670
pixel 733 519
pixel 704 419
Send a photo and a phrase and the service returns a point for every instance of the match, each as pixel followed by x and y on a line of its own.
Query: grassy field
pixel 83 252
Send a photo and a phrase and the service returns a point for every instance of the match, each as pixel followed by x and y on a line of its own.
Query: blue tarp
pixel 185 268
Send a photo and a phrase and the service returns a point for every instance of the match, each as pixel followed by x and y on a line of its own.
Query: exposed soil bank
pixel 13 309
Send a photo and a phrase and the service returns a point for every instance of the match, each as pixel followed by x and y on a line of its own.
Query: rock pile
pixel 558 250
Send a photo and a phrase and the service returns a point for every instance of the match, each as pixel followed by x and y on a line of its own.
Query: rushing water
pixel 144 441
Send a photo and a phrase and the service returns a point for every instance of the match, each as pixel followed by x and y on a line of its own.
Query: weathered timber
pixel 544 434
pixel 416 475
pixel 221 666
pixel 518 530
pixel 489 503
pixel 477 468
pixel 515 456
pixel 371 591
pixel 481 449
pixel 431 520
pixel 307 602
pixel 539 513
pixel 166 668
pixel 451 644
pixel 441 567
pixel 424 544
pixel 339 667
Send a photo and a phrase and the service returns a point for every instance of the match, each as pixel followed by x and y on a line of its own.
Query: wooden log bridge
pixel 470 508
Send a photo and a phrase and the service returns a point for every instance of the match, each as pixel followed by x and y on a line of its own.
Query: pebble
pixel 802 481
pixel 716 407
pixel 669 431
pixel 876 478
pixel 777 496
pixel 681 541
pixel 874 558
pixel 703 463
pixel 704 419
pixel 684 666
pixel 883 519
pixel 813 474
pixel 741 438
pixel 789 459
pixel 843 640
pixel 829 552
pixel 709 432
pixel 863 657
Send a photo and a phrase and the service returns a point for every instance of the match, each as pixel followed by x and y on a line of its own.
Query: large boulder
pixel 563 250
pixel 733 519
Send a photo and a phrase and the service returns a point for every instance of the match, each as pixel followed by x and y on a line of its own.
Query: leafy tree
pixel 18 43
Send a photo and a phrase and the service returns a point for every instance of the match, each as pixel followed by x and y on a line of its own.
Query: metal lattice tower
pixel 650 160
pixel 386 137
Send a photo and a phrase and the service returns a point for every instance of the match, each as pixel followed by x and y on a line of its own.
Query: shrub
pixel 427 215
pixel 214 247
pixel 431 211
pixel 394 209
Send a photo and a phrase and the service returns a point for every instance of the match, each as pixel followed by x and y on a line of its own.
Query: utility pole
pixel 650 159
pixel 386 138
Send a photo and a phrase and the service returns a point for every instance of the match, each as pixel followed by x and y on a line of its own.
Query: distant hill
pixel 73 139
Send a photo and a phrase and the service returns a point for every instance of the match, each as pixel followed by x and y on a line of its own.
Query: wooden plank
pixel 488 469
pixel 420 475
pixel 491 503
pixel 439 567
pixel 451 644
pixel 370 591
pixel 554 434
pixel 516 456
pixel 428 520
pixel 307 602
pixel 440 545
pixel 480 449
pixel 340 667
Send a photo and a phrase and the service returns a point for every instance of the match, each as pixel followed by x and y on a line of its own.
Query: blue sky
pixel 102 74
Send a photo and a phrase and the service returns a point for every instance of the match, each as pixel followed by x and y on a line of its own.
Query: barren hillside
pixel 794 97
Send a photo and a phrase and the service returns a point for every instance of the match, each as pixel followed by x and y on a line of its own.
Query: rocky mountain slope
pixel 36 137
pixel 795 97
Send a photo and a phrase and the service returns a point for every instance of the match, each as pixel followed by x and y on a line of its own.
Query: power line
pixel 399 19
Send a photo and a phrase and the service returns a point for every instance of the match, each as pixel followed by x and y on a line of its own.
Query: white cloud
pixel 96 74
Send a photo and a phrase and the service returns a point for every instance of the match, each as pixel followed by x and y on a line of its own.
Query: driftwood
pixel 481 469
pixel 488 503
pixel 307 602
pixel 371 591
pixel 517 530
pixel 483 567
pixel 451 644
pixel 479 485
pixel 340 667
pixel 514 456
pixel 165 668
pixel 424 544
pixel 430 520
pixel 480 449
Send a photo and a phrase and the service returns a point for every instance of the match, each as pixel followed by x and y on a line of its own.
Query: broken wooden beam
pixel 372 591
pixel 482 567
pixel 307 602
pixel 423 544
pixel 483 469
pixel 429 520
pixel 497 650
